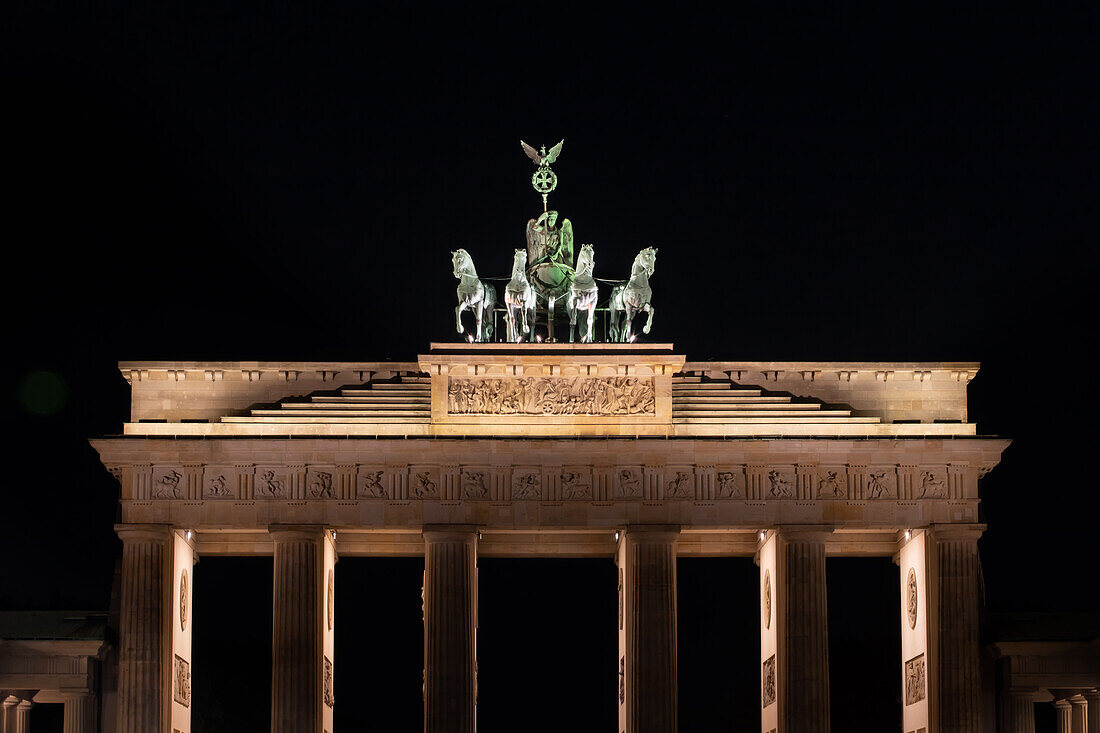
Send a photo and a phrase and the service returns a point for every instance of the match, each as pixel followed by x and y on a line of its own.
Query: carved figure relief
pixel 911 598
pixel 932 486
pixel 321 486
pixel 551 396
pixel 767 599
pixel 269 486
pixel 729 485
pixel 185 597
pixel 473 485
pixel 830 486
pixel 218 487
pixel 880 484
pixel 622 680
pixel 682 486
pixel 628 483
pixel 328 683
pixel 423 486
pixel 527 484
pixel 371 485
pixel 620 599
pixel 914 680
pixel 330 598
pixel 767 679
pixel 576 484
pixel 168 485
pixel 181 681
pixel 780 484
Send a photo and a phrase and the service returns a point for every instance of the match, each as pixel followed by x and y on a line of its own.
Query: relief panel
pixel 779 483
pixel 576 482
pixel 526 483
pixel 767 679
pixel 881 482
pixel 914 680
pixel 930 483
pixel 424 482
pixel 627 482
pixel 729 482
pixel 271 482
pixel 181 681
pixel 321 482
pixel 474 483
pixel 219 482
pixel 679 482
pixel 832 482
pixel 168 483
pixel 370 483
pixel 551 396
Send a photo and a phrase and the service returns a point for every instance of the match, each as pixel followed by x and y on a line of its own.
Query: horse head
pixel 463 264
pixel 519 262
pixel 586 260
pixel 646 260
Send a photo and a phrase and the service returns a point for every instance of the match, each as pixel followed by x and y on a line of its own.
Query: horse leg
pixel 631 311
pixel 550 320
pixel 458 315
pixel 591 320
pixel 530 315
pixel 649 321
pixel 571 308
pixel 510 320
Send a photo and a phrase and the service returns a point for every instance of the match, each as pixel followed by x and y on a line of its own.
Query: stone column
pixel 80 711
pixel 1064 716
pixel 450 629
pixel 648 647
pixel 298 663
pixel 7 714
pixel 1093 700
pixel 956 670
pixel 144 694
pixel 803 631
pixel 1019 710
pixel 23 716
pixel 1079 715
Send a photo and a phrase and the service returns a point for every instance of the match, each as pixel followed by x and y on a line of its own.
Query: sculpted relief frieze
pixel 552 396
pixel 530 482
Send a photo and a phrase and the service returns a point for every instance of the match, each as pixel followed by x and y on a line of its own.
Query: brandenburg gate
pixel 622 451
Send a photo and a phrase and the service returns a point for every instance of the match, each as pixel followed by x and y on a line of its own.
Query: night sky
pixel 203 181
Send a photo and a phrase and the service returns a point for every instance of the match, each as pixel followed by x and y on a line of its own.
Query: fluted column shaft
pixel 296 643
pixel 80 712
pixel 7 714
pixel 1063 712
pixel 450 629
pixel 958 674
pixel 1093 700
pixel 23 716
pixel 804 628
pixel 651 643
pixel 1079 716
pixel 144 634
pixel 1019 711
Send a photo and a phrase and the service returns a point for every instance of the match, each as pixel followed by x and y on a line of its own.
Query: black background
pixel 271 181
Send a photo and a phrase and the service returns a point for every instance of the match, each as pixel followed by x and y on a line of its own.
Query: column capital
pixel 25 705
pixel 1063 704
pixel 663 533
pixel 1028 692
pixel 804 532
pixel 296 532
pixel 449 532
pixel 957 531
pixel 75 692
pixel 1092 696
pixel 145 532
pixel 10 701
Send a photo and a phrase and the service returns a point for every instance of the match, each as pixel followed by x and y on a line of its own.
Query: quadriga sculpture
pixel 519 299
pixel 582 295
pixel 633 297
pixel 475 294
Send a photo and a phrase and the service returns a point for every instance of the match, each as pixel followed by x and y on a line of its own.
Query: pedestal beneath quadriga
pixel 551 389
